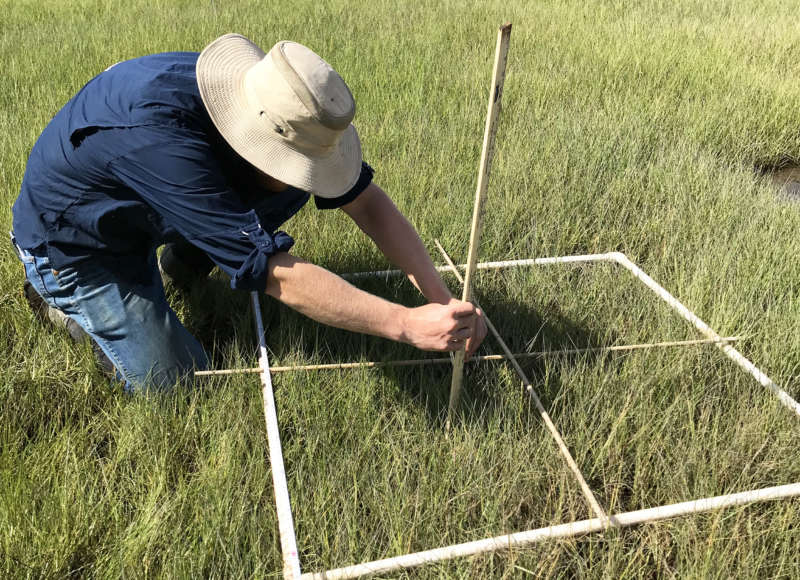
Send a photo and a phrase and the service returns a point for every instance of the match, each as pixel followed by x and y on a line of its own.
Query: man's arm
pixel 327 298
pixel 378 217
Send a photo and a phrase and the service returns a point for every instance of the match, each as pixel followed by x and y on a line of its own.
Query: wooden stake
pixel 495 97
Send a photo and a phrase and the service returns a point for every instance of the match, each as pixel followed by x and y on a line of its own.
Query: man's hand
pixel 444 326
pixel 380 219
pixel 478 333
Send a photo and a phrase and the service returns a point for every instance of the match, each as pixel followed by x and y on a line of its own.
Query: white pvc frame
pixel 291 563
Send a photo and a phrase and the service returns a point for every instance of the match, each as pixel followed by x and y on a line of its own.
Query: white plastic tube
pixel 521 539
pixel 291 561
pixel 285 523
pixel 729 351
pixel 621 259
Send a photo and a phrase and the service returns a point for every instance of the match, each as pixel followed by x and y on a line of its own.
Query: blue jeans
pixel 130 321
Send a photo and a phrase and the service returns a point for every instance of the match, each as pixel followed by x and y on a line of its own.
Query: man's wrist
pixel 397 329
pixel 441 297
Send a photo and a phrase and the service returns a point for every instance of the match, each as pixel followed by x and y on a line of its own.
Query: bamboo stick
pixel 291 561
pixel 576 259
pixel 481 358
pixel 493 110
pixel 590 499
pixel 522 539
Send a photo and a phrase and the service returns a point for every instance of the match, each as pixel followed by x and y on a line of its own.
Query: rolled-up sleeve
pixel 364 179
pixel 244 255
pixel 182 181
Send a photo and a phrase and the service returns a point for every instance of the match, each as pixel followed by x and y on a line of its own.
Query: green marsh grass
pixel 634 127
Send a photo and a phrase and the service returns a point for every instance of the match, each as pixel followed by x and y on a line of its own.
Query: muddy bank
pixel 787 180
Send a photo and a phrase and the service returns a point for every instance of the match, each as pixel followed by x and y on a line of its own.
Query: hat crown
pixel 300 98
pixel 320 88
pixel 330 98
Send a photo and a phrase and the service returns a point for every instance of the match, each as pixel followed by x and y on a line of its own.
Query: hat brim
pixel 221 69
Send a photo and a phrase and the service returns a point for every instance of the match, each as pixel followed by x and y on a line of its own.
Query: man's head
pixel 286 112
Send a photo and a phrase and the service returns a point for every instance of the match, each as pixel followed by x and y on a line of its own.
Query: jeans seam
pixel 71 300
pixel 40 279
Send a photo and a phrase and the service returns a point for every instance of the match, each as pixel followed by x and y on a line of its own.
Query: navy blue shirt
pixel 133 161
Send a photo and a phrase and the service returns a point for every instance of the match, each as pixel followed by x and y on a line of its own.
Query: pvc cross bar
pixel 496 265
pixel 291 561
pixel 521 539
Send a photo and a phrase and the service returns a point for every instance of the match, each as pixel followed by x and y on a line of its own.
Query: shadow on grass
pixel 525 327
pixel 218 316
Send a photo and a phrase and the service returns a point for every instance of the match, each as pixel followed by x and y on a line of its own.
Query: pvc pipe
pixel 623 260
pixel 587 493
pixel 729 351
pixel 529 537
pixel 291 561
pixel 286 527
pixel 481 358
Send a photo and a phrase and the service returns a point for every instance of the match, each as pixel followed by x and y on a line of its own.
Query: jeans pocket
pixel 66 279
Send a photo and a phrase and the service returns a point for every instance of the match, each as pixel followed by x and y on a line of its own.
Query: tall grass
pixel 634 126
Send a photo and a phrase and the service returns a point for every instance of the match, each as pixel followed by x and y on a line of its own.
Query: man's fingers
pixel 454 345
pixel 463 309
pixel 478 334
pixel 463 333
pixel 472 346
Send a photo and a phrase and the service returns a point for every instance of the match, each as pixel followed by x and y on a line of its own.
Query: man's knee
pixel 164 371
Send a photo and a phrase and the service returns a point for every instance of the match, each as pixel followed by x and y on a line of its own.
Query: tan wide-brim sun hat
pixel 287 112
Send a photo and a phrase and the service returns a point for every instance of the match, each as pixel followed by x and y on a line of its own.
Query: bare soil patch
pixel 787 180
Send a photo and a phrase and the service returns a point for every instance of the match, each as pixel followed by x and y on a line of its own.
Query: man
pixel 209 154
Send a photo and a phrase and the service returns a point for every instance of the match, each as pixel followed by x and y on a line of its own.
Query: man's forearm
pixel 379 218
pixel 414 260
pixel 327 298
pixel 399 242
